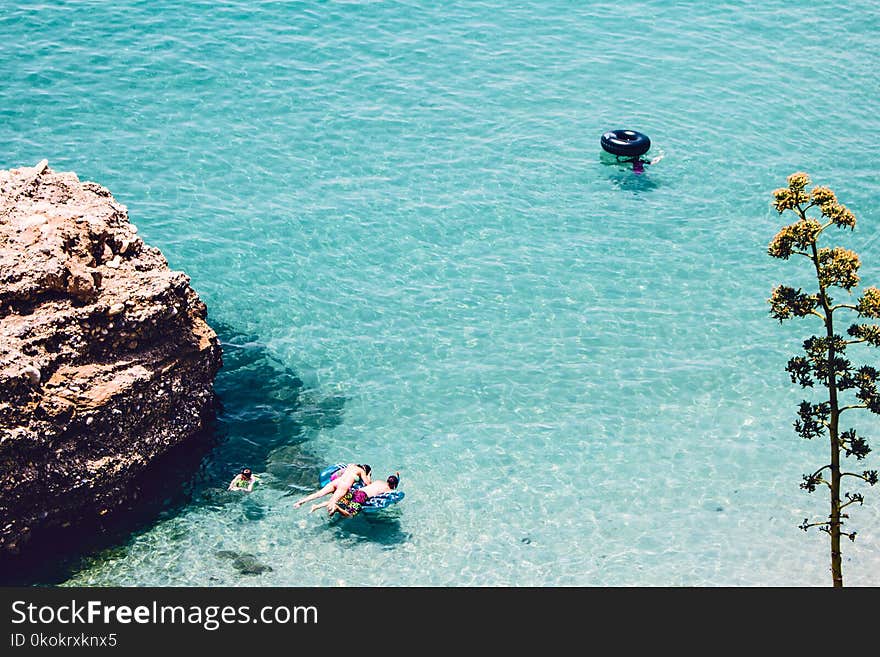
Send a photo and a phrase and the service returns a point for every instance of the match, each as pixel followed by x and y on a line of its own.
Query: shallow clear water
pixel 399 217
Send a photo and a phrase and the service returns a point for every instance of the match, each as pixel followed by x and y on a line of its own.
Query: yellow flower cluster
pixel 801 234
pixel 822 196
pixel 869 304
pixel 798 181
pixel 840 215
pixel 790 198
pixel 794 195
pixel 783 200
pixel 838 267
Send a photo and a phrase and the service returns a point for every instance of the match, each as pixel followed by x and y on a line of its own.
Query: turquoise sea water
pixel 407 237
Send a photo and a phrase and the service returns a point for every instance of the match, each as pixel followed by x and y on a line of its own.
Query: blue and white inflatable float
pixel 372 505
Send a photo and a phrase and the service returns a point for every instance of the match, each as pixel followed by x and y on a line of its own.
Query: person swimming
pixel 639 164
pixel 244 480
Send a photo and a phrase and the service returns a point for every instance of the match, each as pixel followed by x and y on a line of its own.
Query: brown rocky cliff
pixel 106 361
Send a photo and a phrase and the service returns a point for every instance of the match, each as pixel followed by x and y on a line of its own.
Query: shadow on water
pixel 382 528
pixel 263 417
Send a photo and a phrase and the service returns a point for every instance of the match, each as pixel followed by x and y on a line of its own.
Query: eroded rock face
pixel 106 361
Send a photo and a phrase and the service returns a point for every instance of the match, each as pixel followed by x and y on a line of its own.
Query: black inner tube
pixel 625 142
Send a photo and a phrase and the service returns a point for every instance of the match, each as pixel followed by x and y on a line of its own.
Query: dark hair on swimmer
pixel 366 467
pixel 393 480
pixel 246 472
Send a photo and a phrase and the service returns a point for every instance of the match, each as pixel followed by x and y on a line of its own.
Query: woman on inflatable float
pixel 340 484
pixel 352 503
pixel 353 491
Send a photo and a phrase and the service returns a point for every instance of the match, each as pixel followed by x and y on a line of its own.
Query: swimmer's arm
pixel 365 478
pixel 657 159
pixel 232 483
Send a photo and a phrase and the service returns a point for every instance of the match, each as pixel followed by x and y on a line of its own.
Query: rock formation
pixel 106 361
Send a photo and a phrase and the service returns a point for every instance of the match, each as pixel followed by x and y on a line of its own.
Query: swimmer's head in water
pixel 393 480
pixel 246 472
pixel 366 467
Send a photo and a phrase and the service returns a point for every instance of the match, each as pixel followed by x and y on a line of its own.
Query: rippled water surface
pixel 401 221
